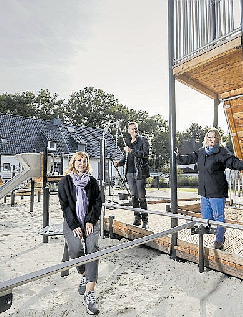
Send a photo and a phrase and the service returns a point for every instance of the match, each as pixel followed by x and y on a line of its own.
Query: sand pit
pixel 136 282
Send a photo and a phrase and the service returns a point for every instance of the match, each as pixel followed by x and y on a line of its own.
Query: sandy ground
pixel 136 282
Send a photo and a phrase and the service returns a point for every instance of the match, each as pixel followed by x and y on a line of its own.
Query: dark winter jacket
pixel 211 179
pixel 140 153
pixel 67 198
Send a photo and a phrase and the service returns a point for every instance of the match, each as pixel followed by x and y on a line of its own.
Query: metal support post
pixel 200 251
pixel 32 194
pixel 65 258
pixel 39 195
pixel 102 189
pixel 172 126
pixel 213 20
pixel 102 216
pixel 111 232
pixel 12 198
pixel 216 113
pixel 46 198
pixel 201 230
pixel 44 176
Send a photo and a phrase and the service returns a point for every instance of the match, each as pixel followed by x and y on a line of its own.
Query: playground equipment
pixel 7 286
pixel 197 225
pixel 31 167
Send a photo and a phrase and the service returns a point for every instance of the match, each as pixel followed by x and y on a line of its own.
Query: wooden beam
pixel 215 259
pixel 194 84
pixel 232 93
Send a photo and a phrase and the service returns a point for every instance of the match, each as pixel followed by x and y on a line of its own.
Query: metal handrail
pixel 200 23
pixel 178 216
pixel 7 286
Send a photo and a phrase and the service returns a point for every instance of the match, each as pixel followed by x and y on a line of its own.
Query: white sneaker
pixel 90 301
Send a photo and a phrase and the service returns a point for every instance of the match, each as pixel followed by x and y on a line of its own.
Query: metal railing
pixel 198 23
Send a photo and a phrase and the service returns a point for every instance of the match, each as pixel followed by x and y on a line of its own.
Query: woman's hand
pixel 77 232
pixel 89 228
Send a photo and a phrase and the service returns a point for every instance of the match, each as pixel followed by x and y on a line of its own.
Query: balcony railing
pixel 200 24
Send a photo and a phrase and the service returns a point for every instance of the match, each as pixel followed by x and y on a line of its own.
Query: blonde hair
pixel 216 135
pixel 77 156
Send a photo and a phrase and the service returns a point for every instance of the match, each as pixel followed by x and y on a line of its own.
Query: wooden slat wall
pixel 234 114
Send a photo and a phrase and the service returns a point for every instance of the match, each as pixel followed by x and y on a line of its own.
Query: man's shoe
pixel 90 301
pixel 145 225
pixel 137 222
pixel 218 245
pixel 82 286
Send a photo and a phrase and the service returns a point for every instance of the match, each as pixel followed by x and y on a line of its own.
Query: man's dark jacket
pixel 212 181
pixel 67 198
pixel 140 153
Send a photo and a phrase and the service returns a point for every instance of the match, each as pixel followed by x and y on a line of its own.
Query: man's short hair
pixel 132 123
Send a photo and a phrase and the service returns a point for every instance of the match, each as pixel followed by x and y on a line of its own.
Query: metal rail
pixel 206 222
pixel 198 23
pixel 6 287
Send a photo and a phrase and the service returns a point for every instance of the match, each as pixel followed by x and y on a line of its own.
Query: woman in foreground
pixel 80 200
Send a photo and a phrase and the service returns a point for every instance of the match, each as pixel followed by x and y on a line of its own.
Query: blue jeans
pixel 138 192
pixel 213 209
pixel 76 249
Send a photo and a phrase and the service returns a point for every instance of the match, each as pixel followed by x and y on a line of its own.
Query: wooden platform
pixel 214 259
pixel 215 72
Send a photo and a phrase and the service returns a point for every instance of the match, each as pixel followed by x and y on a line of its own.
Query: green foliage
pixel 197 133
pixel 27 104
pixel 187 181
pixel 92 107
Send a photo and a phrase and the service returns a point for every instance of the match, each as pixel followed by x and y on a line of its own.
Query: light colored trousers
pixel 76 249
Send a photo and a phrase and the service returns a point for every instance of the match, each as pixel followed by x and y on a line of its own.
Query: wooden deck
pixel 215 72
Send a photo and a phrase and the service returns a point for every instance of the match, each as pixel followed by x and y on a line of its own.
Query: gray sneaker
pixel 218 245
pixel 82 286
pixel 90 301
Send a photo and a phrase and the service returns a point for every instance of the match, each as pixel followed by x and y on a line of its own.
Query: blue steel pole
pixel 172 125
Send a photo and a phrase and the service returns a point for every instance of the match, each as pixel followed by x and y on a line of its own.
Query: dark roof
pixel 27 135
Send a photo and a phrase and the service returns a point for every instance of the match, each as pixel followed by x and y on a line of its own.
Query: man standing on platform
pixel 136 171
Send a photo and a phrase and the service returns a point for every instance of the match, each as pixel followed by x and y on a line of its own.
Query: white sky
pixel 119 46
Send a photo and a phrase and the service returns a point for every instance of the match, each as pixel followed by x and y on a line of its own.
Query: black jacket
pixel 211 178
pixel 67 198
pixel 140 152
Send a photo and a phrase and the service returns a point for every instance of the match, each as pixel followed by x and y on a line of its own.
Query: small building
pixel 27 135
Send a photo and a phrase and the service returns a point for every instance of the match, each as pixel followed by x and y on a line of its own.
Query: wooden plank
pixel 231 93
pixel 215 259
pixel 194 84
pixel 192 207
